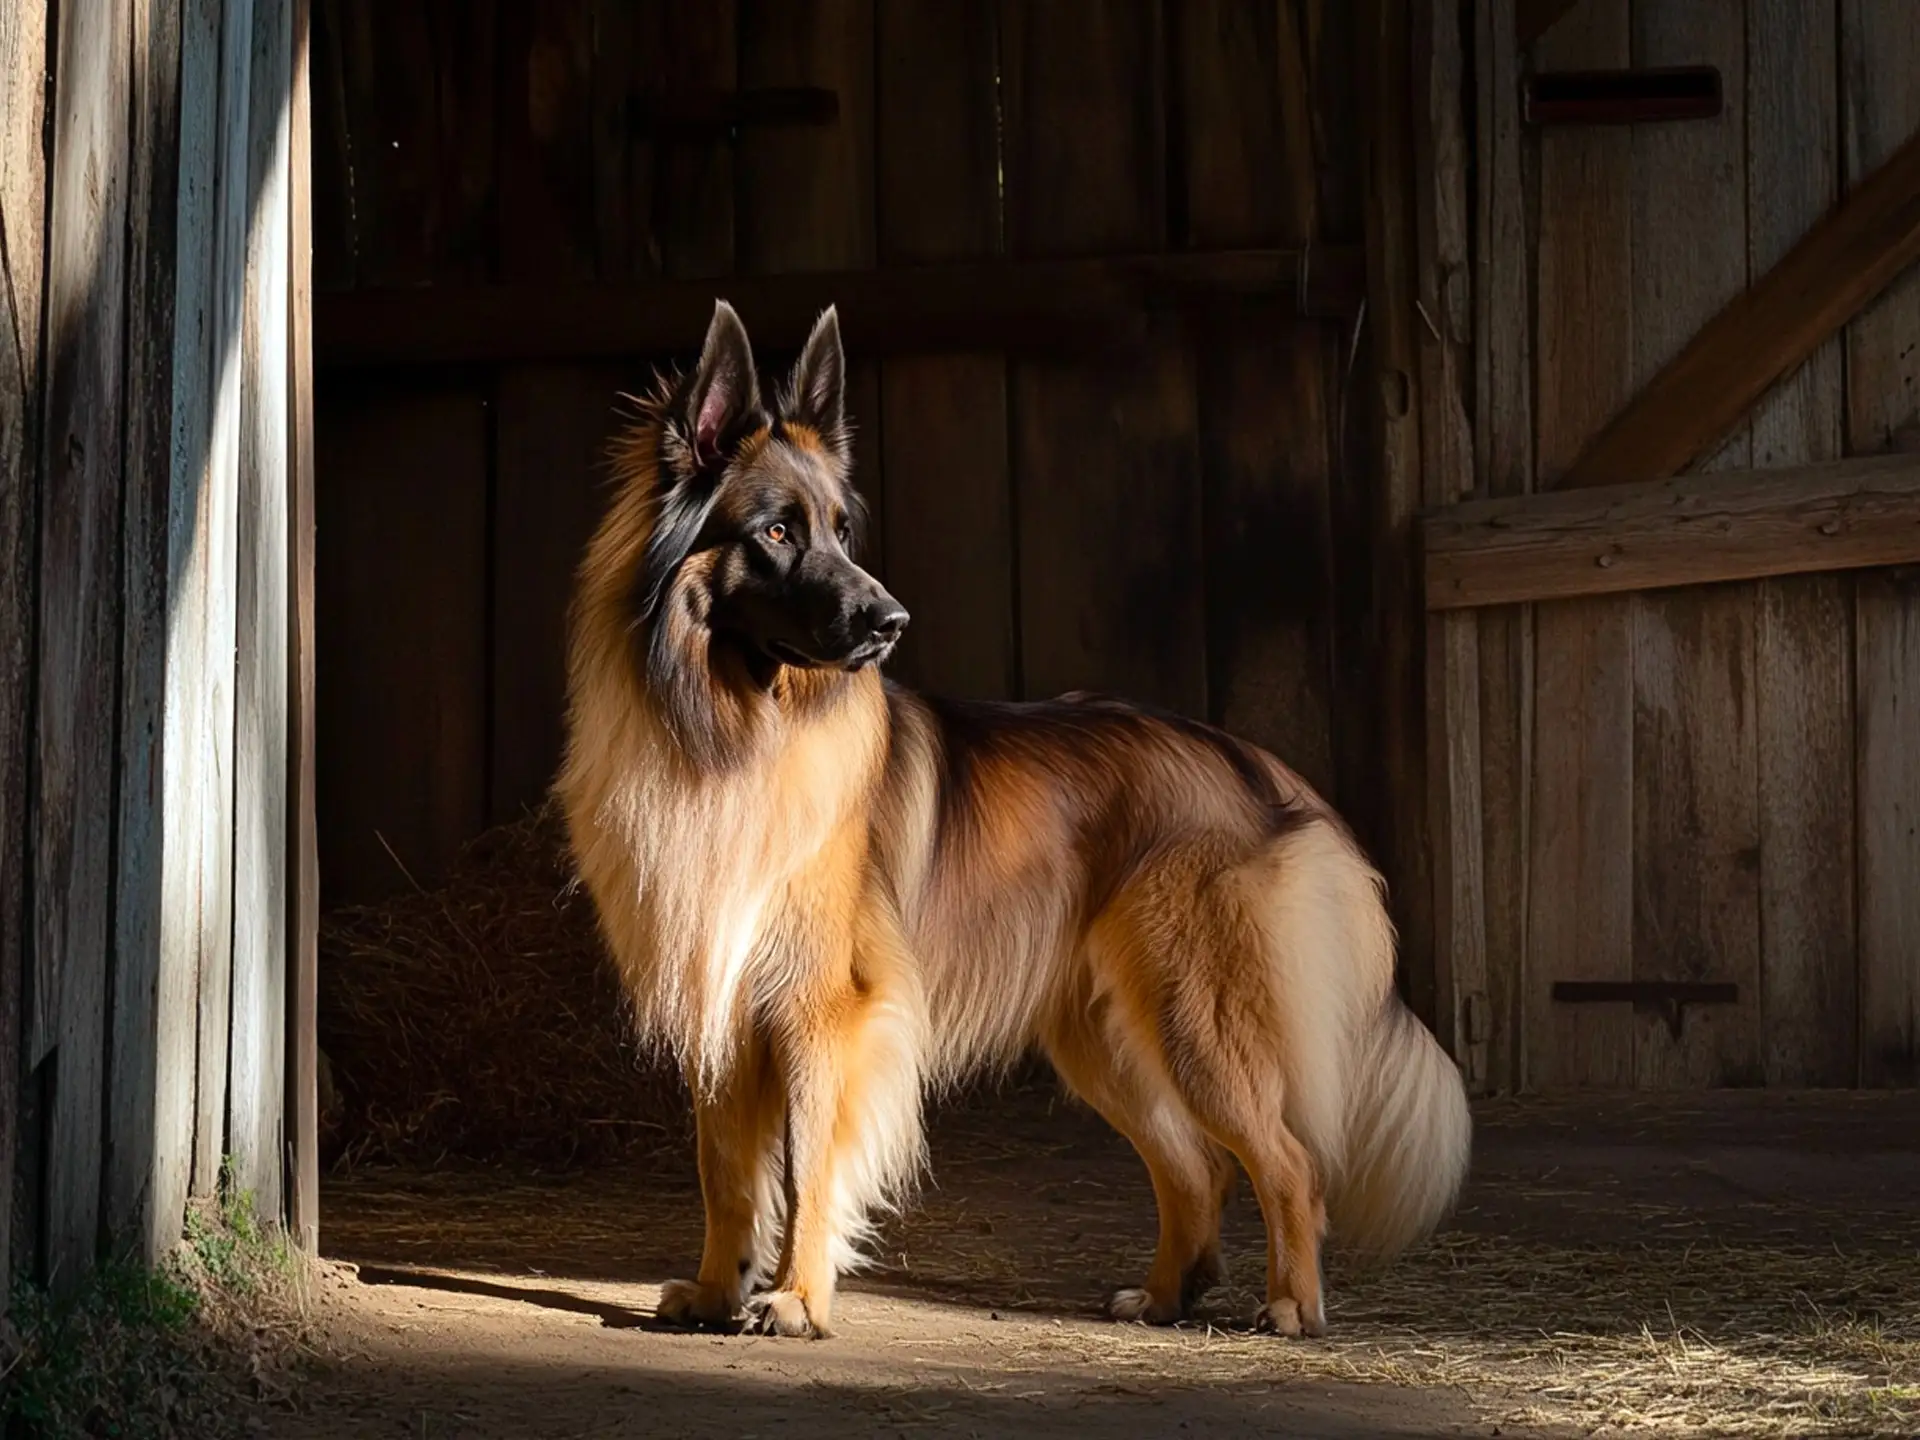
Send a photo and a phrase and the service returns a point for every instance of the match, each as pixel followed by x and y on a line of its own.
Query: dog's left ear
pixel 817 394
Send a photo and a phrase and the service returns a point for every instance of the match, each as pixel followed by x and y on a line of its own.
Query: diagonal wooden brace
pixel 1818 286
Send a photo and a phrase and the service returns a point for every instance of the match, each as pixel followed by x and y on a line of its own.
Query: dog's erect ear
pixel 723 390
pixel 817 394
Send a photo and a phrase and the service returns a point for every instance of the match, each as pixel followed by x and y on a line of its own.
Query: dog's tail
pixel 1369 1092
pixel 1408 1138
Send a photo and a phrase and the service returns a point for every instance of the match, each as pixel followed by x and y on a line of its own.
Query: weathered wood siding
pixel 145 569
pixel 1713 783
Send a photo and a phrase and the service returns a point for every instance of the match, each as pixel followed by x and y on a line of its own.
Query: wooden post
pixel 23 90
pixel 1391 395
pixel 1444 339
pixel 303 882
pixel 1503 465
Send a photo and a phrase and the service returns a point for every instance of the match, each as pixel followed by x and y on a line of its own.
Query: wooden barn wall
pixel 1717 783
pixel 1169 520
pixel 146 199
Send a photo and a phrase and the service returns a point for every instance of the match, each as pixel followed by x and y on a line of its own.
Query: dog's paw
pixel 783 1312
pixel 1278 1317
pixel 1139 1306
pixel 688 1302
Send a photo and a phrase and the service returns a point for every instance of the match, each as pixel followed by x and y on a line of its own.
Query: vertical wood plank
pixel 257 1064
pixel 1447 474
pixel 1888 648
pixel 1579 873
pixel 1107 496
pixel 804 195
pixel 23 56
pixel 82 470
pixel 1247 159
pixel 215 804
pixel 1809 952
pixel 1696 753
pixel 552 425
pixel 1880 52
pixel 1389 400
pixel 943 427
pixel 1503 460
pixel 140 838
pixel 568 207
pixel 193 696
pixel 402 661
pixel 1802 682
pixel 303 1090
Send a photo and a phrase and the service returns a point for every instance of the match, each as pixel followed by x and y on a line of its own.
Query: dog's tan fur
pixel 871 894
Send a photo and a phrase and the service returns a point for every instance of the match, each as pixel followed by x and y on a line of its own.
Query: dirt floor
pixel 1743 1263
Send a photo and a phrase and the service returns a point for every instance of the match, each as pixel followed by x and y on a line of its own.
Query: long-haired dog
pixel 826 894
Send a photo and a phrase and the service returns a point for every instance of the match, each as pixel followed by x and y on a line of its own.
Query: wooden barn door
pixel 1695 802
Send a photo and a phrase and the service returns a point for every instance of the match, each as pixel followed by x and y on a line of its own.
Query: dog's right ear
pixel 723 392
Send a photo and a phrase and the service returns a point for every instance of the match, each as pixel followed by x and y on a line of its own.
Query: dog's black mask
pixel 761 500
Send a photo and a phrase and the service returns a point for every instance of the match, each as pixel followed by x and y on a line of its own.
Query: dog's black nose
pixel 885 618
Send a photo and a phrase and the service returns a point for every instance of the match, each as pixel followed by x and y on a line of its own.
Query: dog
pixel 827 895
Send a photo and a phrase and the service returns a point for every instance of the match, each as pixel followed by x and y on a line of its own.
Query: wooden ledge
pixel 1694 530
pixel 1071 305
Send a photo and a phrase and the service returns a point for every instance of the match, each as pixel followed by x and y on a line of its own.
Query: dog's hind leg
pixel 739 1128
pixel 1192 1176
pixel 1187 967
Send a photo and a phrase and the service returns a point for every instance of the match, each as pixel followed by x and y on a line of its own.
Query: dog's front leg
pixel 813 1066
pixel 851 1060
pixel 738 1120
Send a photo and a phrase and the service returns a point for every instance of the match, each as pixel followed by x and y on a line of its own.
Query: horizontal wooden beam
pixel 1067 305
pixel 1765 333
pixel 1693 530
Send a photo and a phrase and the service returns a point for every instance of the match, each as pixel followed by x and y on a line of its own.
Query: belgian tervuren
pixel 827 894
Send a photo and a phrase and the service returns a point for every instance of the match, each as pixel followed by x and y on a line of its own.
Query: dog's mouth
pixel 870 652
pixel 787 655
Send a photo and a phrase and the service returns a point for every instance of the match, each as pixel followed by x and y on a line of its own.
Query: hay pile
pixel 482 1020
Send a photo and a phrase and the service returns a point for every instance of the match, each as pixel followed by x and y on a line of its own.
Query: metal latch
pixel 1669 998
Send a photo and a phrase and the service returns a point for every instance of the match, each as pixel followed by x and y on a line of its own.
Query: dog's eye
pixel 777 533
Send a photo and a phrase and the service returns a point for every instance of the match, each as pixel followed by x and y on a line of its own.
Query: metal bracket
pixel 1668 998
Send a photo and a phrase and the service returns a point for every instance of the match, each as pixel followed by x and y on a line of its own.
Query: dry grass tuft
pixel 189 1349
pixel 482 1020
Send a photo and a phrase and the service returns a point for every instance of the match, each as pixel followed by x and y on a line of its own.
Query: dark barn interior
pixel 1507 412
